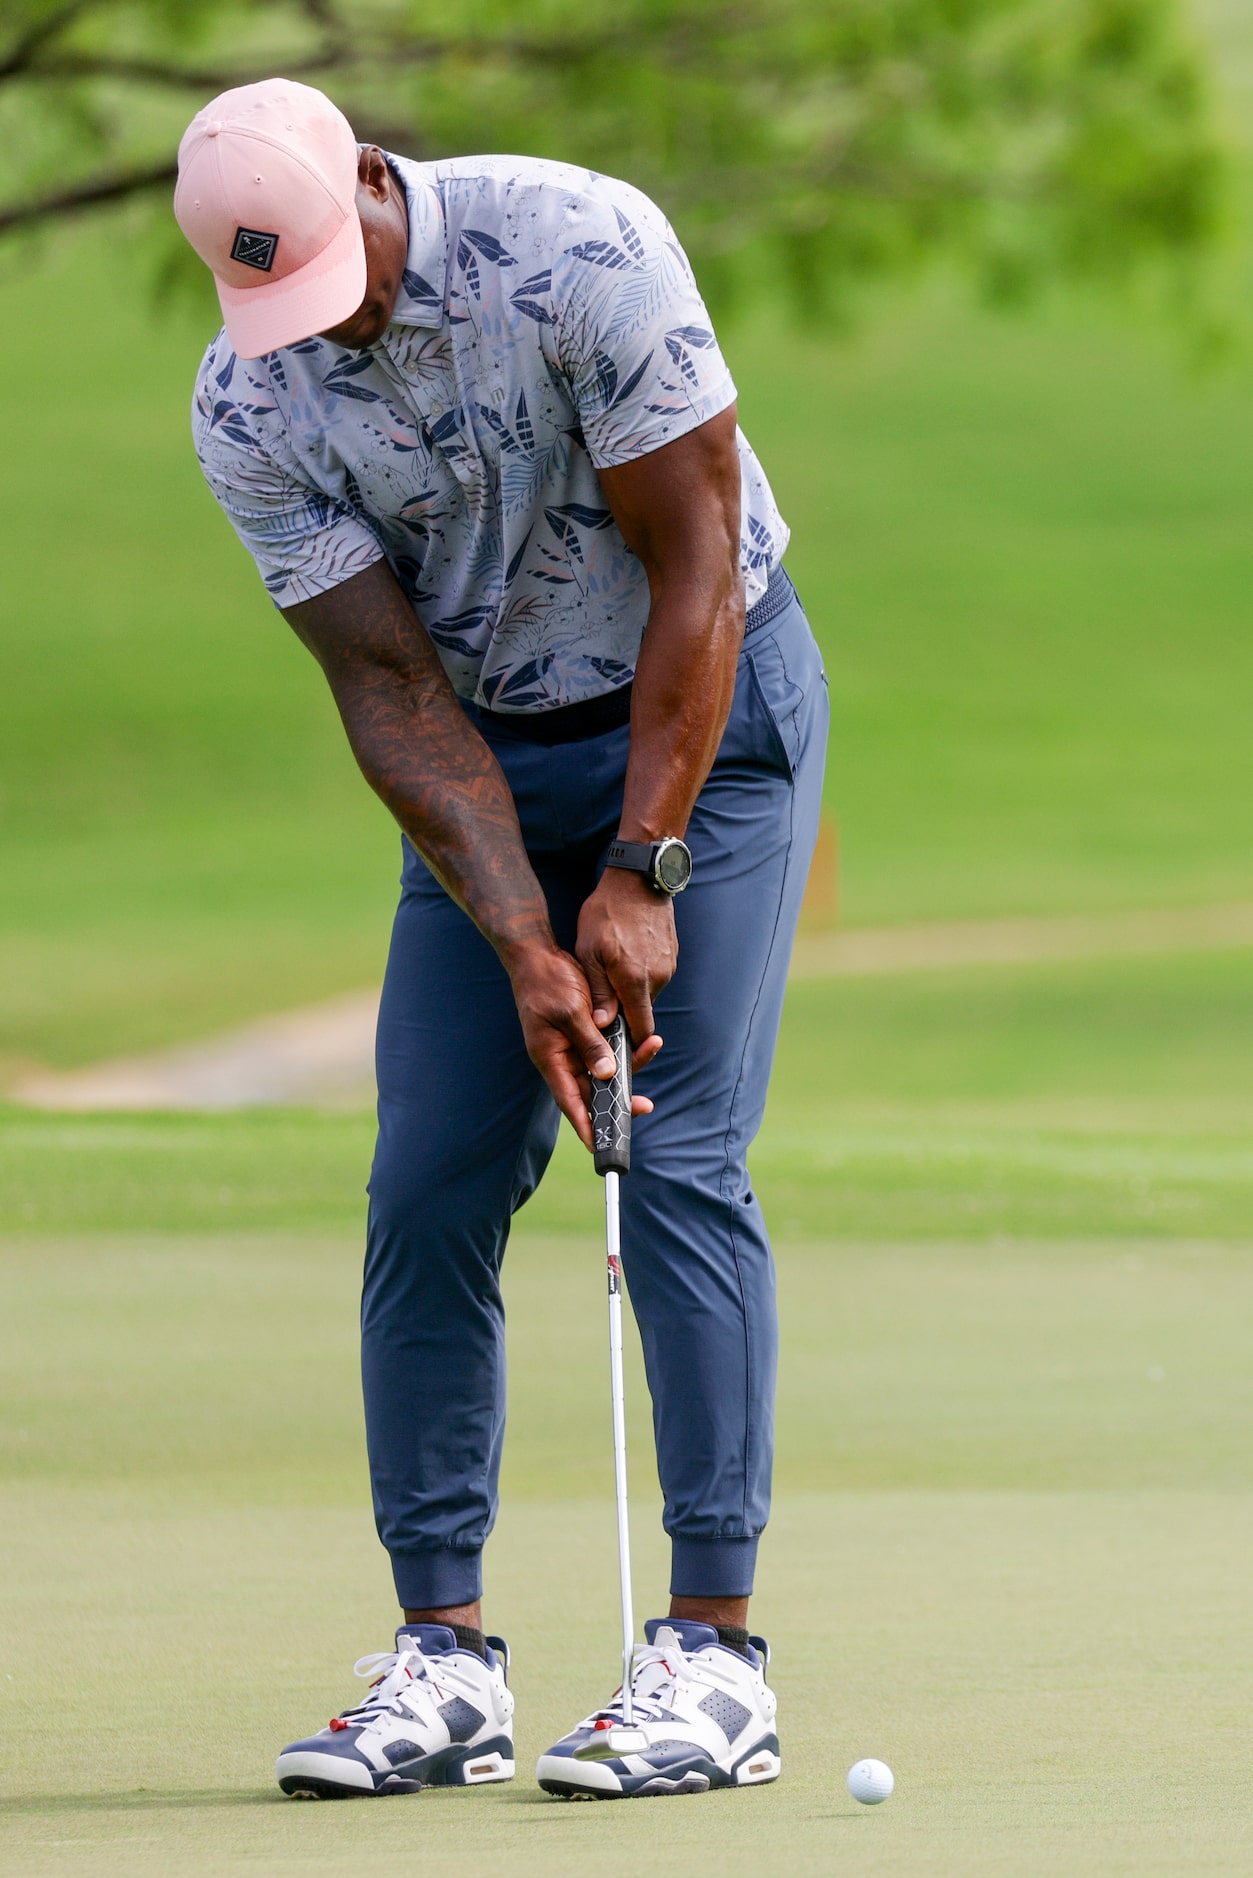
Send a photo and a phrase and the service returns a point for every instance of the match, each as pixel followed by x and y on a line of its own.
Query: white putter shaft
pixel 611 1129
pixel 613 1251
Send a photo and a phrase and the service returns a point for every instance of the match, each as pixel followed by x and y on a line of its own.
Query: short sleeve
pixel 636 342
pixel 302 540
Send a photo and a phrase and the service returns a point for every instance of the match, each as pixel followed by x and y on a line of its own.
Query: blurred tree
pixel 821 141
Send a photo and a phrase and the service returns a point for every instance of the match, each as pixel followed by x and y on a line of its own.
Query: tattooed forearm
pixel 420 752
pixel 423 757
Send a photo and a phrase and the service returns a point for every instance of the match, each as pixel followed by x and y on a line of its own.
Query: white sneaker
pixel 436 1716
pixel 703 1717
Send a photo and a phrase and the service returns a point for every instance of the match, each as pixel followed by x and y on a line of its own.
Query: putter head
pixel 608 1743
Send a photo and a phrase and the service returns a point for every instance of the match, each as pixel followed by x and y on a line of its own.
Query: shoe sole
pixel 308 1776
pixel 612 1780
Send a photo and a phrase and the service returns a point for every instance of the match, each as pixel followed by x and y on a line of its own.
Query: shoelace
pixel 660 1678
pixel 395 1671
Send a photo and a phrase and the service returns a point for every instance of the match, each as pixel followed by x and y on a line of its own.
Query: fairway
pixel 1025 550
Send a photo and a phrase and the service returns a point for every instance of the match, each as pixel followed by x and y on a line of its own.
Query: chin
pixel 366 331
pixel 360 331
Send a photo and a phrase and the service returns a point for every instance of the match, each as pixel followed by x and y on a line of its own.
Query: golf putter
pixel 611 1135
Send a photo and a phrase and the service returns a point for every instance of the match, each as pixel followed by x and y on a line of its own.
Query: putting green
pixel 1059 1680
pixel 1009 1557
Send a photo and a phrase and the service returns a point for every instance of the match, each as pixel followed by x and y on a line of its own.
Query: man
pixel 471 421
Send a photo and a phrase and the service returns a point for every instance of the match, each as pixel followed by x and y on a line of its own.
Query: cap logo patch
pixel 254 249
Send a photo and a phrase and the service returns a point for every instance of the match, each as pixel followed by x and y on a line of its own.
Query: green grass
pixel 1103 1098
pixel 1013 1519
pixel 1011 1540
pixel 183 834
pixel 1060 1680
pixel 1025 547
pixel 1009 1555
pixel 1013 1516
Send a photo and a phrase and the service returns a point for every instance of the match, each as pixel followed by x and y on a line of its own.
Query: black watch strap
pixel 666 865
pixel 635 856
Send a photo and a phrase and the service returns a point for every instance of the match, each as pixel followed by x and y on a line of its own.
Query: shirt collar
pixel 420 301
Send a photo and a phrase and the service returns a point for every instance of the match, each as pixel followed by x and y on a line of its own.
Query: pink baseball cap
pixel 266 195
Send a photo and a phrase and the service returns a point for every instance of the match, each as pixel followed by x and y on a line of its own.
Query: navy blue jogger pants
pixel 466 1127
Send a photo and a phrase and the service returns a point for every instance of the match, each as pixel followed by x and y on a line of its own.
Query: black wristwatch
pixel 666 865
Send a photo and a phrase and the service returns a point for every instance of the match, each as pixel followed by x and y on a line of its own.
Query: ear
pixel 372 172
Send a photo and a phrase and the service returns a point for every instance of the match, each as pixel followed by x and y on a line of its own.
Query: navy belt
pixel 779 593
pixel 594 717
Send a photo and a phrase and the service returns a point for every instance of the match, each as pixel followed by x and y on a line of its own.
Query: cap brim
pixel 324 292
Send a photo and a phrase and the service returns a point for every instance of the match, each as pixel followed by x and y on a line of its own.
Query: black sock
pixel 733 1639
pixel 475 1641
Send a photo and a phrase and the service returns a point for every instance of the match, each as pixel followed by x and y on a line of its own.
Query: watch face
pixel 674 867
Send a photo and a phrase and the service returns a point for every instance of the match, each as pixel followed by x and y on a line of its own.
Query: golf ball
pixel 870 1782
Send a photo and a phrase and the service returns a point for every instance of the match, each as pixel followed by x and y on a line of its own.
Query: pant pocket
pixel 779 696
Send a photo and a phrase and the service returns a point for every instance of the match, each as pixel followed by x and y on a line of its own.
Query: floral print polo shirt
pixel 548 325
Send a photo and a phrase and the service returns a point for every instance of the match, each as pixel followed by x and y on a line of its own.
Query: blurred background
pixel 982 272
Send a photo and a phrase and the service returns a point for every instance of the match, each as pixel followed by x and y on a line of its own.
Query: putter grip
pixel 611 1107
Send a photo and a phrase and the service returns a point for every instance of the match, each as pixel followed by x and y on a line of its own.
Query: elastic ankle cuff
pixel 433 1580
pixel 712 1568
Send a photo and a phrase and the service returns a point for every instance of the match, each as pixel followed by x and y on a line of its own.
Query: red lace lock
pixel 337 1722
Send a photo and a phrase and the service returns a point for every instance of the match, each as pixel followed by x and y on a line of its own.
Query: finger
pixel 604 998
pixel 589 1044
pixel 646 1051
pixel 570 1094
pixel 637 1008
pixel 640 1105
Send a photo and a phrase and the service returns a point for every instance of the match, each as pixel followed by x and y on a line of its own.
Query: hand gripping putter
pixel 611 1136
